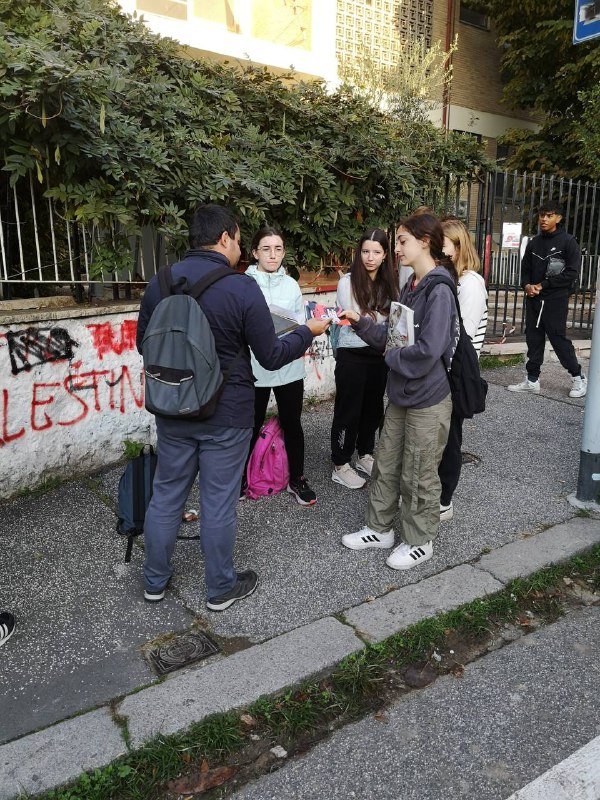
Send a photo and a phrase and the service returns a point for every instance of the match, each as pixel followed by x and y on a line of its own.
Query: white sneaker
pixel 525 386
pixel 406 556
pixel 446 512
pixel 347 477
pixel 579 386
pixel 366 537
pixel 365 464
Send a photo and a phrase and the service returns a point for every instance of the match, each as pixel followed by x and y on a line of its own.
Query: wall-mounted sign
pixel 587 20
pixel 511 235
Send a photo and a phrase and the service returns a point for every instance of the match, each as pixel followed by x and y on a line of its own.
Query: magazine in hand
pixel 401 326
pixel 315 310
pixel 284 320
pixel 283 324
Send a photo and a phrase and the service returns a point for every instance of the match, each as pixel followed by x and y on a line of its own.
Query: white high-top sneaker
pixel 579 386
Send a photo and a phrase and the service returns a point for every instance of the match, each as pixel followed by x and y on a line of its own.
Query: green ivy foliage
pixel 545 72
pixel 589 132
pixel 116 124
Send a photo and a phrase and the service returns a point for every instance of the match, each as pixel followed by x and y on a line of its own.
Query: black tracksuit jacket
pixel 547 249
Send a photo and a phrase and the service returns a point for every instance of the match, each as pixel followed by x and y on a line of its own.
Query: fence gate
pixel 501 211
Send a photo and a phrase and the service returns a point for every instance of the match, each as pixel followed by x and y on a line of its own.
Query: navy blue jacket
pixel 239 317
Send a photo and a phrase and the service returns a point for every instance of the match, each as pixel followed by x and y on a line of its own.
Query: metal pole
pixel 588 483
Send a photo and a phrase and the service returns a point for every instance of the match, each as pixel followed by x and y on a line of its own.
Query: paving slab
pixel 393 612
pixel 238 680
pixel 59 754
pixel 559 543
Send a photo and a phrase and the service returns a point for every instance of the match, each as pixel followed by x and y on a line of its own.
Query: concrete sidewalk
pixel 83 626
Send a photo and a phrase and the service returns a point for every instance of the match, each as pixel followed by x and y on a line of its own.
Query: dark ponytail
pixel 424 224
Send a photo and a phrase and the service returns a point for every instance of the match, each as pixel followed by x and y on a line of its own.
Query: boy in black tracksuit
pixel 549 267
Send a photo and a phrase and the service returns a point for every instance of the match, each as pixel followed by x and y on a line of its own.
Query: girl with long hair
pixel 283 292
pixel 472 299
pixel 360 370
pixel 417 418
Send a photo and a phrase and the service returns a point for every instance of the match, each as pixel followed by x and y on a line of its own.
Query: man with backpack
pixel 208 439
pixel 549 271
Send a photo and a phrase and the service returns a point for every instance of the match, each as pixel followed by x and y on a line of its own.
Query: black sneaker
pixel 246 583
pixel 7 626
pixel 302 492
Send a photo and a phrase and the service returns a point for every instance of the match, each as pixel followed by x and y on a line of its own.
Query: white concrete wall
pixel 72 391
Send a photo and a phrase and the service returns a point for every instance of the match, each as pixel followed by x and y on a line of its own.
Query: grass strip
pixel 493 362
pixel 352 690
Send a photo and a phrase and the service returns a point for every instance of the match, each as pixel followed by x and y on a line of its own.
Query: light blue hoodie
pixel 282 291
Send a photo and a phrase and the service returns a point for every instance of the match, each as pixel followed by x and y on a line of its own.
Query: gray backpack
pixel 181 365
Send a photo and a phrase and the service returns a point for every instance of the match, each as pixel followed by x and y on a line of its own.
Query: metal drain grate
pixel 180 651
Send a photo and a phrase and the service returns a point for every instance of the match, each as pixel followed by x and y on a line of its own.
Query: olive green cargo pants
pixel 406 465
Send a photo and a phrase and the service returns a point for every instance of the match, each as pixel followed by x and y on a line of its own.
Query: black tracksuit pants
pixel 551 323
pixel 358 410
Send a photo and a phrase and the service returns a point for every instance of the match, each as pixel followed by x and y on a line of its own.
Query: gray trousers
pixel 217 455
pixel 406 465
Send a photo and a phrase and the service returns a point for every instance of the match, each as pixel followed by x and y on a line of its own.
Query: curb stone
pixel 59 754
pixel 556 544
pixel 387 615
pixel 237 680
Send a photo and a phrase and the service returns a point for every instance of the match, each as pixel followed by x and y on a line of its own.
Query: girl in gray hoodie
pixel 417 419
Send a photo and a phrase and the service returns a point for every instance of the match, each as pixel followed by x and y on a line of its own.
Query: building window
pixel 175 9
pixel 220 11
pixel 285 22
pixel 476 136
pixel 475 18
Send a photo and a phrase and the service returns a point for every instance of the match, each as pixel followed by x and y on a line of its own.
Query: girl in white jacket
pixel 472 299
pixel 280 291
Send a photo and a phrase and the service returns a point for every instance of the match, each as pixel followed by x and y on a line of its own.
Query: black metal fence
pixel 40 245
pixel 500 209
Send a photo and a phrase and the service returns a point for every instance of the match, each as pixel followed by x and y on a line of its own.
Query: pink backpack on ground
pixel 268 471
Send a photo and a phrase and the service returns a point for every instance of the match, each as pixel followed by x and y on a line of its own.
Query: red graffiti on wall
pixel 107 340
pixel 66 403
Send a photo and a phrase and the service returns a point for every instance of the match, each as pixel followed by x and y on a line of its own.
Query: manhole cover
pixel 470 458
pixel 182 650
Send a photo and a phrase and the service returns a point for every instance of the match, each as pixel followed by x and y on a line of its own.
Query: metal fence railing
pixel 500 210
pixel 40 245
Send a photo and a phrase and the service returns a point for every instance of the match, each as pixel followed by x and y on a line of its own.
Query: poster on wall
pixel 511 235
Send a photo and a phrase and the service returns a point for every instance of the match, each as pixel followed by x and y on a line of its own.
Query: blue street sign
pixel 587 20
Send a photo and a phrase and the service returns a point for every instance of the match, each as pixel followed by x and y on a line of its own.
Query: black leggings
pixel 289 399
pixel 358 410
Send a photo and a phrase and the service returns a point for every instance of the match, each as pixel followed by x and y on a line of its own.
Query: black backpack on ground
pixel 467 387
pixel 135 491
pixel 183 378
pixel 134 495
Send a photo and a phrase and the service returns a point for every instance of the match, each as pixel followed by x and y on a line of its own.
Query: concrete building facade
pixel 314 38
